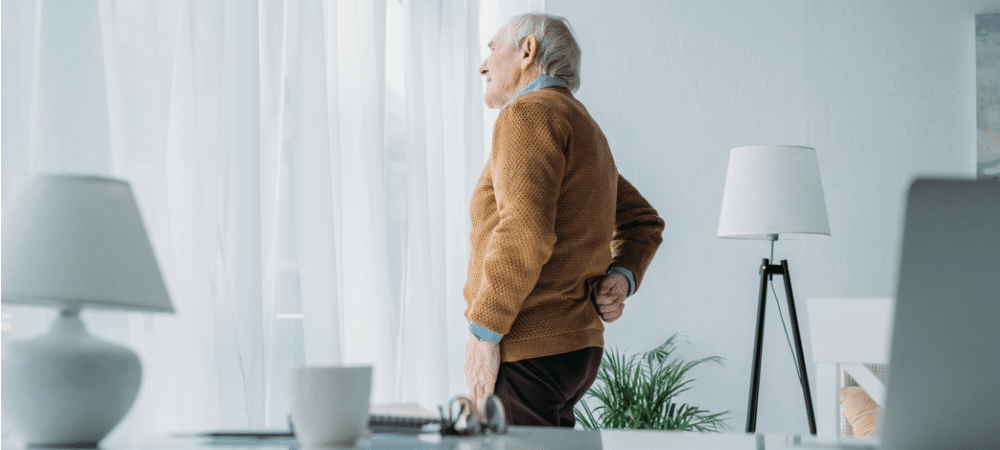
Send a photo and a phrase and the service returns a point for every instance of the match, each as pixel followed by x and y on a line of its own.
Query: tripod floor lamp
pixel 774 191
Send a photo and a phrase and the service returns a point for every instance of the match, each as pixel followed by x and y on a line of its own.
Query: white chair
pixel 847 333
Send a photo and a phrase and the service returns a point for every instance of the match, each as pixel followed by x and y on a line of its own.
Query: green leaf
pixel 637 392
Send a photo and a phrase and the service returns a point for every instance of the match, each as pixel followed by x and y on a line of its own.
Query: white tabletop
pixel 518 438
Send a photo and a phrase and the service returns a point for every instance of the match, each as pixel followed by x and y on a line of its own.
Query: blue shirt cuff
pixel 483 333
pixel 628 276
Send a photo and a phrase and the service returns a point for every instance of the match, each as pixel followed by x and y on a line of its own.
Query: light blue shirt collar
pixel 543 81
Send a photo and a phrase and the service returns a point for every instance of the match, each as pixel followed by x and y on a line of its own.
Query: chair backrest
pixel 846 334
pixel 850 330
pixel 944 366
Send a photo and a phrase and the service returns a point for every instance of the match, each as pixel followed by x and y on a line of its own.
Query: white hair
pixel 558 54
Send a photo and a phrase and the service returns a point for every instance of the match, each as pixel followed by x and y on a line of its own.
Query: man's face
pixel 502 70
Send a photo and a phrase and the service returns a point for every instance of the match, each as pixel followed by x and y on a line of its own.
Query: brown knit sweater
pixel 550 214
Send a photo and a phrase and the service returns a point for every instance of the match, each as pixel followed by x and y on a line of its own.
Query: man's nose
pixel 482 68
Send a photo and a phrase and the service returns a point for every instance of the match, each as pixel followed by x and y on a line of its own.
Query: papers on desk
pixel 405 418
pixel 241 435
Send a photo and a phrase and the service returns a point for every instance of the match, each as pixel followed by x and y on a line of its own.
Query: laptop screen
pixel 944 368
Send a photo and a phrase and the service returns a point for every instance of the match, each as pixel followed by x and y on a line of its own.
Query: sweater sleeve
pixel 526 165
pixel 638 231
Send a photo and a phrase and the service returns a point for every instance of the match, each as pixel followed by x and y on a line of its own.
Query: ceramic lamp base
pixel 67 388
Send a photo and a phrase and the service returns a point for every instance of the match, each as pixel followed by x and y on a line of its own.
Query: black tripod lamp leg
pixel 801 360
pixel 758 343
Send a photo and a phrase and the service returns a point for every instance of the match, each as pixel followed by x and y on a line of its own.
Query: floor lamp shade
pixel 73 242
pixel 773 190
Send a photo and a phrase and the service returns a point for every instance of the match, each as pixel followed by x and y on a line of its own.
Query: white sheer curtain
pixel 303 169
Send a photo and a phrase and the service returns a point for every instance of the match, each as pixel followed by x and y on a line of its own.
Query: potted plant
pixel 637 392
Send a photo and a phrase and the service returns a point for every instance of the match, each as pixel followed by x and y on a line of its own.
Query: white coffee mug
pixel 330 404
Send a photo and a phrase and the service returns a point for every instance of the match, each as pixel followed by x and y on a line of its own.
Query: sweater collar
pixel 542 81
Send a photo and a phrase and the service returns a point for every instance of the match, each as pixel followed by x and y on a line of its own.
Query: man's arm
pixel 638 233
pixel 526 165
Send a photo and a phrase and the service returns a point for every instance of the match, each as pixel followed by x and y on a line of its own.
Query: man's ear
pixel 529 50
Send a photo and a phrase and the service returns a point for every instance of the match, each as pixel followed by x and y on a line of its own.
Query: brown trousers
pixel 543 391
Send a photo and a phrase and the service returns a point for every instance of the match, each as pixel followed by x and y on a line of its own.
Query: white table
pixel 518 438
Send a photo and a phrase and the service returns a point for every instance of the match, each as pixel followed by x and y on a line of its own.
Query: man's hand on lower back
pixel 482 363
pixel 609 296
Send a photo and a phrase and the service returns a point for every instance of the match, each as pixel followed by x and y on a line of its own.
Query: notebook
pixel 396 418
pixel 943 389
pixel 400 418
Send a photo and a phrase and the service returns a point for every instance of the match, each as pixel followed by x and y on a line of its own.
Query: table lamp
pixel 773 191
pixel 73 242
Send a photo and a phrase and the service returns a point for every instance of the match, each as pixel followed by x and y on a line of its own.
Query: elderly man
pixel 559 239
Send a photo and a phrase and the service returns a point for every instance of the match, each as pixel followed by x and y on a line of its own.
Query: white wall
pixel 884 90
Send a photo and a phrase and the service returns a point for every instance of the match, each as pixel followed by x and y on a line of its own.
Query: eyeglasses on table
pixel 462 419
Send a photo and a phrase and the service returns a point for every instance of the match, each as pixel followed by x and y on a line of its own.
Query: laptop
pixel 943 389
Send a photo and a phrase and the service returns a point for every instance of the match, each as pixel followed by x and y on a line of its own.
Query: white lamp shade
pixel 773 190
pixel 76 241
